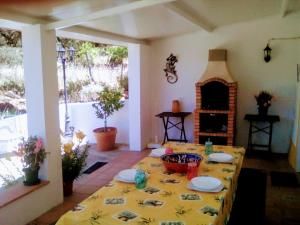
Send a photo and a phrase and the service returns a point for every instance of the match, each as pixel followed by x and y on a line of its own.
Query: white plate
pixel 218 189
pixel 123 180
pixel 205 183
pixel 220 157
pixel 127 174
pixel 158 152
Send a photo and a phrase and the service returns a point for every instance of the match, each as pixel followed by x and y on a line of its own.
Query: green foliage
pixel 86 52
pixel 11 56
pixel 108 101
pixel 74 89
pixel 123 82
pixel 8 180
pixel 264 98
pixel 17 87
pixel 73 161
pixel 116 54
pixel 88 47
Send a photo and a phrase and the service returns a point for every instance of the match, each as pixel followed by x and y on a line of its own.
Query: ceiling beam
pixel 284 8
pixel 18 17
pixel 13 20
pixel 180 9
pixel 105 12
pixel 89 34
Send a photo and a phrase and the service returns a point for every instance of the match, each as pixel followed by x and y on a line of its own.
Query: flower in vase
pixel 80 135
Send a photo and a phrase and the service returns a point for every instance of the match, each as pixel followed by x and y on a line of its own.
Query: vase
pixel 31 176
pixel 68 187
pixel 263 110
pixel 175 106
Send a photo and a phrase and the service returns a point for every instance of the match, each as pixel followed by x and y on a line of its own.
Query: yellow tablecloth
pixel 166 200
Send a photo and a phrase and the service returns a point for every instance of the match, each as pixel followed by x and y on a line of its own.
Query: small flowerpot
pixel 31 176
pixel 175 106
pixel 105 139
pixel 68 187
pixel 262 110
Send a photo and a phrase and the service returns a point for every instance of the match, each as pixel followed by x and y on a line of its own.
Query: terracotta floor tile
pixel 54 214
pixel 87 189
pixel 100 182
pixel 76 197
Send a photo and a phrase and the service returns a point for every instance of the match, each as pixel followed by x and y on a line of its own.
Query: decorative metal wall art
pixel 170 69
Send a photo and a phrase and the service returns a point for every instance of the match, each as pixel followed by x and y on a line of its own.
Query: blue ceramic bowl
pixel 178 162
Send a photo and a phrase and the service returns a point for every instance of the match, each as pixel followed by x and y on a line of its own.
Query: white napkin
pixel 158 152
pixel 127 175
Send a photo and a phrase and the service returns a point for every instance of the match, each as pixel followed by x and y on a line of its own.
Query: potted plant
pixel 73 161
pixel 108 101
pixel 32 153
pixel 263 100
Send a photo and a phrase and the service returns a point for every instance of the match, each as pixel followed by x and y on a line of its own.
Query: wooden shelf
pixel 219 134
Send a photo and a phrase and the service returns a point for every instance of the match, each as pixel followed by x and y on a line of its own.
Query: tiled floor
pixel 282 204
pixel 89 183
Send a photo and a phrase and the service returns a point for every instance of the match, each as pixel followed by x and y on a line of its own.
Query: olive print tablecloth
pixel 166 200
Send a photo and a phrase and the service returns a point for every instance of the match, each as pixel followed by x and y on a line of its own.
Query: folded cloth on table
pixel 158 152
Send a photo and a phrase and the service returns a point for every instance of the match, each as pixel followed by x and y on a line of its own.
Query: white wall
pixel 245 43
pixel 82 117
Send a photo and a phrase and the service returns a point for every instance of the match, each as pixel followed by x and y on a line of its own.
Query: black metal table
pixel 166 120
pixel 254 128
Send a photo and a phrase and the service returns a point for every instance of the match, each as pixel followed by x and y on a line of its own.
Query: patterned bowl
pixel 178 162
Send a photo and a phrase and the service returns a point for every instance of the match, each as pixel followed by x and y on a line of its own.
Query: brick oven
pixel 216 94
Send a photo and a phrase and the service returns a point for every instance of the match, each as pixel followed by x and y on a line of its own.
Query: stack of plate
pixel 158 152
pixel 206 184
pixel 220 157
pixel 126 175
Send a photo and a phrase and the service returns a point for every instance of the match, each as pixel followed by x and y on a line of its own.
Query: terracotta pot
pixel 105 139
pixel 175 106
pixel 68 187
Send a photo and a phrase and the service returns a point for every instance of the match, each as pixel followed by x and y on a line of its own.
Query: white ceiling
pixel 149 22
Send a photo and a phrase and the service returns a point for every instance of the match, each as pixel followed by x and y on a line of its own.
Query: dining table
pixel 167 198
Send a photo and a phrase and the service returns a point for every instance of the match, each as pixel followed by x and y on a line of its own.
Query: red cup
pixel 168 151
pixel 192 170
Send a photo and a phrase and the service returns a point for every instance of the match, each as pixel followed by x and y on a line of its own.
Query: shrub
pixel 116 54
pixel 123 82
pixel 74 89
pixel 11 56
pixel 108 101
pixel 17 87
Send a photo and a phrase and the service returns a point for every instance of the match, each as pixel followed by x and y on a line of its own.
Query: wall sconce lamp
pixel 267 53
pixel 267 49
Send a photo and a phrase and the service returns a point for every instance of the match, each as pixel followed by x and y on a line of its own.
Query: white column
pixel 41 87
pixel 139 127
